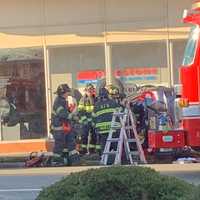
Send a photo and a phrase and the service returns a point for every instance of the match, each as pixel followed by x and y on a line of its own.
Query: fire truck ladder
pixel 128 140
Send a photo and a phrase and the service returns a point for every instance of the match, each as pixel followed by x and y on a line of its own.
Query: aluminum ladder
pixel 126 140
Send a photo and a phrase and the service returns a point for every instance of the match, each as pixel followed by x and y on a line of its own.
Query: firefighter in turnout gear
pixel 102 116
pixel 61 129
pixel 85 108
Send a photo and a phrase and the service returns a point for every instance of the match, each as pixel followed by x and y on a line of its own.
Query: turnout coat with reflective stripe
pixel 85 108
pixel 60 112
pixel 102 114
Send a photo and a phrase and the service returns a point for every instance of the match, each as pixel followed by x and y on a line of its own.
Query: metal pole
pixel 46 70
pixel 169 46
pixel 171 62
pixel 108 63
pixel 107 49
pixel 47 89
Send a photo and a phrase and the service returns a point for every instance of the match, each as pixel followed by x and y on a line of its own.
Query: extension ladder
pixel 127 142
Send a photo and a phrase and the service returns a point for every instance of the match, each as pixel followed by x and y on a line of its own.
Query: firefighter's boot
pixel 74 158
pixel 65 157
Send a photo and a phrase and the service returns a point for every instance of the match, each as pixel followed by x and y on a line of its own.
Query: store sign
pixel 130 75
pixel 89 76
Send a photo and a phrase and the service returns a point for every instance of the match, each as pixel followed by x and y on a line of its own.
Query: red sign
pixel 136 71
pixel 90 75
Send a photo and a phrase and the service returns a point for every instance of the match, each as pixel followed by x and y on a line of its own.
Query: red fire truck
pixel 188 135
pixel 190 78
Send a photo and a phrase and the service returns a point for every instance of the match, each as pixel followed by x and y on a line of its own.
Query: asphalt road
pixel 26 184
pixel 24 187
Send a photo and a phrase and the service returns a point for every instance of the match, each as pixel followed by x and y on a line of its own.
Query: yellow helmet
pixel 113 91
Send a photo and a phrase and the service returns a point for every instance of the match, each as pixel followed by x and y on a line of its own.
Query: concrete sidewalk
pixel 67 170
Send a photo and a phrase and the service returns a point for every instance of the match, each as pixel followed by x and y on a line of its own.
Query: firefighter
pixel 141 117
pixel 85 108
pixel 102 116
pixel 61 129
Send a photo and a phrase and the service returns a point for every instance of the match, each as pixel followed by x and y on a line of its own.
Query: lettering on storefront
pixel 89 76
pixel 134 74
pixel 130 76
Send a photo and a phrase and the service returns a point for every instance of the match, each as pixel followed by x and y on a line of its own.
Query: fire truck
pixel 190 78
pixel 188 132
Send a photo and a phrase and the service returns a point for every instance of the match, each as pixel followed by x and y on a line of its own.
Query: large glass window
pixel 76 66
pixel 22 79
pixel 22 85
pixel 140 63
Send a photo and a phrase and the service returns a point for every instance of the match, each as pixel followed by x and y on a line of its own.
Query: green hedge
pixel 119 183
pixel 196 195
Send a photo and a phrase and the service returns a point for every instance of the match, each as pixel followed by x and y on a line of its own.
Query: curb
pixel 67 170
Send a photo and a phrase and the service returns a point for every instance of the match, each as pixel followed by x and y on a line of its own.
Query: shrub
pixel 197 193
pixel 118 183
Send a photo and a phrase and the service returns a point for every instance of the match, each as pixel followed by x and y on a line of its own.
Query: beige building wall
pixel 75 22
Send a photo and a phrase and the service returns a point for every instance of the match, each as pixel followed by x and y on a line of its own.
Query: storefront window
pixel 22 85
pixel 76 66
pixel 140 64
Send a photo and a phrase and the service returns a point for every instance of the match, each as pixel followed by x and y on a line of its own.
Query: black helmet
pixel 103 92
pixel 62 89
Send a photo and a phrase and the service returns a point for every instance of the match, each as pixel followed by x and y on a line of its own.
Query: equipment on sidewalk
pixel 45 159
pixel 128 140
pixel 35 160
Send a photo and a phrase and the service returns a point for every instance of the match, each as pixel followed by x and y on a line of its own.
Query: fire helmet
pixel 113 91
pixel 62 89
pixel 90 89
